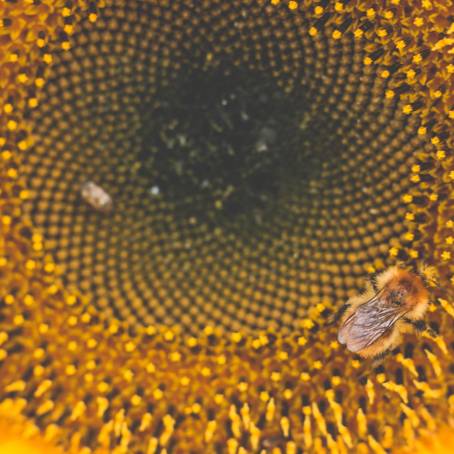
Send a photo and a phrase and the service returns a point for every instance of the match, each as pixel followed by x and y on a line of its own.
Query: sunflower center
pixel 218 145
pixel 256 171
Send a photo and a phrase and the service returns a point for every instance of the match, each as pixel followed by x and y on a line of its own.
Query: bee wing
pixel 368 323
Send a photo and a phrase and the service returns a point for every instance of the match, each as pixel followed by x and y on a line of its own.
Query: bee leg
pixel 373 282
pixel 421 326
pixel 376 366
pixel 377 360
pixel 338 315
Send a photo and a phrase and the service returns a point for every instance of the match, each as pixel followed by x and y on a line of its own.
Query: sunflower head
pixel 261 158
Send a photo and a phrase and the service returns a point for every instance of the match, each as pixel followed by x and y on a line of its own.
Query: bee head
pixel 408 290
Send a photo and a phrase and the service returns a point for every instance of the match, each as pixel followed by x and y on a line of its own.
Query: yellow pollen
pixel 103 387
pixel 158 394
pixel 70 369
pixel 440 154
pixel 313 31
pixel 206 372
pixel 18 319
pixel 11 125
pixel 22 78
pixel 393 252
pixel 358 33
pixel 275 376
pixel 136 400
pixel 407 109
pixel 43 328
pixel 72 346
pixel 47 58
pixel 130 347
pixel 389 94
pixel 175 357
pixel 184 381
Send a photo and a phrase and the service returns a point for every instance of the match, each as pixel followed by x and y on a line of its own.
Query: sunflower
pixel 261 159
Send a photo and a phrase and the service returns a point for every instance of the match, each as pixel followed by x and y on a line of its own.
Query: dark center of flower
pixel 222 144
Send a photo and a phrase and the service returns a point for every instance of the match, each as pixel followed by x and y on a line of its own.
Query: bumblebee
pixel 393 303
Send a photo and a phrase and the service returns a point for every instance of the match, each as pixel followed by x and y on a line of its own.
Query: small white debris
pixel 96 197
pixel 182 139
pixel 244 116
pixel 154 190
pixel 261 146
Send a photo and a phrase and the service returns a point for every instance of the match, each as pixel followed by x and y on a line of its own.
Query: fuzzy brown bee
pixel 394 302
